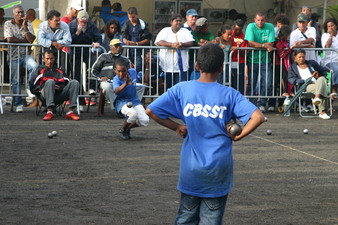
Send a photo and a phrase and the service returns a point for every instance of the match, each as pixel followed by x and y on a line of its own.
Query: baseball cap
pixel 201 21
pixel 76 6
pixel 83 15
pixel 115 42
pixel 191 12
pixel 302 17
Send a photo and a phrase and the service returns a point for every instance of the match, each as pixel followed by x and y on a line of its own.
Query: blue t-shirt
pixel 206 167
pixel 129 94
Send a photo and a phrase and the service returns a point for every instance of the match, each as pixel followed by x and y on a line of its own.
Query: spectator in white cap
pixel 190 17
pixel 73 11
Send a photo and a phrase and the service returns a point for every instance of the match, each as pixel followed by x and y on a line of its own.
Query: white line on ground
pixel 294 149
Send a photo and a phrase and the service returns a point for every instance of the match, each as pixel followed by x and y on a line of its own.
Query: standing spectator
pixel 282 64
pixel 73 11
pixel 190 17
pixel 280 20
pixel 117 13
pixel 330 40
pixel 201 34
pixel 314 23
pixel 31 16
pixel 112 30
pixel 135 32
pixel 2 22
pixel 260 35
pixel 54 86
pixel 84 32
pixel 174 61
pixel 224 41
pixel 304 36
pixel 19 30
pixel 54 34
pixel 238 56
pixel 103 68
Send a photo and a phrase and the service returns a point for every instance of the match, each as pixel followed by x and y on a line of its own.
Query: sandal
pixel 333 96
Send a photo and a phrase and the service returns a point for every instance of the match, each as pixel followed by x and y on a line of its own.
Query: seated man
pixel 127 101
pixel 103 68
pixel 54 86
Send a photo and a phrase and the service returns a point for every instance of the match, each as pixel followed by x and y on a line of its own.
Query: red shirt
pixel 66 19
pixel 243 45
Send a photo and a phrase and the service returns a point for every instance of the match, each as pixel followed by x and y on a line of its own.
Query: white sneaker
pixel 271 109
pixel 92 92
pixel 324 116
pixel 262 108
pixel 19 109
pixel 316 101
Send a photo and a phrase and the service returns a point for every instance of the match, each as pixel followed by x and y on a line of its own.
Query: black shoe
pixel 128 133
pixel 124 134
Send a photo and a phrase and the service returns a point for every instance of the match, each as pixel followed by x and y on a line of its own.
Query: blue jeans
pixel 202 211
pixel 15 68
pixel 334 77
pixel 263 86
pixel 238 78
pixel 173 78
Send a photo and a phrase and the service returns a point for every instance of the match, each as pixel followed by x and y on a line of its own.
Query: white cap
pixel 76 6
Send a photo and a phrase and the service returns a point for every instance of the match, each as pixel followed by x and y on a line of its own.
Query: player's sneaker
pixel 71 115
pixel 48 116
pixel 124 134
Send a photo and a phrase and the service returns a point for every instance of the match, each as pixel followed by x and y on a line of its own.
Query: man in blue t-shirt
pixel 127 101
pixel 205 107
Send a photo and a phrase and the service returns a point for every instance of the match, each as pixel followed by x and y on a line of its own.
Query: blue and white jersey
pixel 129 94
pixel 206 167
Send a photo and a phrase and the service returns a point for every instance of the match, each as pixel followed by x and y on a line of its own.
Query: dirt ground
pixel 88 175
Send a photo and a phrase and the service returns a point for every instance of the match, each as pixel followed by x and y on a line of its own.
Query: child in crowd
pixel 206 107
pixel 282 64
pixel 127 101
pixel 224 41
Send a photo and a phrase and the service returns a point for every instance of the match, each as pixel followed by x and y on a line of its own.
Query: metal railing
pixel 249 77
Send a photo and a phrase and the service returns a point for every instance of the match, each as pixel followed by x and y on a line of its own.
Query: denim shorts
pixel 202 211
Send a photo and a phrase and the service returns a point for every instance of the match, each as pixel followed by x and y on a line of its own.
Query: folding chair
pixel 40 107
pixel 306 95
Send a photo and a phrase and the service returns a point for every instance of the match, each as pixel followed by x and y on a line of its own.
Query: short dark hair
pixel 282 18
pixel 120 62
pixel 210 58
pixel 298 52
pixel 2 9
pixel 48 51
pixel 222 29
pixel 284 32
pixel 117 6
pixel 105 3
pixel 132 11
pixel 53 13
pixel 173 17
pixel 239 22
pixel 333 20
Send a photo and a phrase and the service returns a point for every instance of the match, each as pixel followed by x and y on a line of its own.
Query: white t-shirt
pixel 305 74
pixel 168 57
pixel 310 32
pixel 330 56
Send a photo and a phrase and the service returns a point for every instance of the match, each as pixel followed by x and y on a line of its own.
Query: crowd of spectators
pixel 126 28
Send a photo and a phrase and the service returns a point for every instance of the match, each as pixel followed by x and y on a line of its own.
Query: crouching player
pixel 205 107
pixel 127 101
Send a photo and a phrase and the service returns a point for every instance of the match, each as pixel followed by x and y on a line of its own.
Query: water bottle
pixel 286 104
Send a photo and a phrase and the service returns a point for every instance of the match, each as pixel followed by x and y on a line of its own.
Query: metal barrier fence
pixel 260 79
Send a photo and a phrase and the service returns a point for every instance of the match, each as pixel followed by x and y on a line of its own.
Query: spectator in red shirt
pixel 73 11
pixel 238 57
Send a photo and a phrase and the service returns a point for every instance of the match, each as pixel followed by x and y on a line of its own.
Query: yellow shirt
pixel 35 23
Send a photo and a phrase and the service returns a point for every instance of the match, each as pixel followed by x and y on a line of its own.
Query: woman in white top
pixel 330 40
pixel 303 69
pixel 174 61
